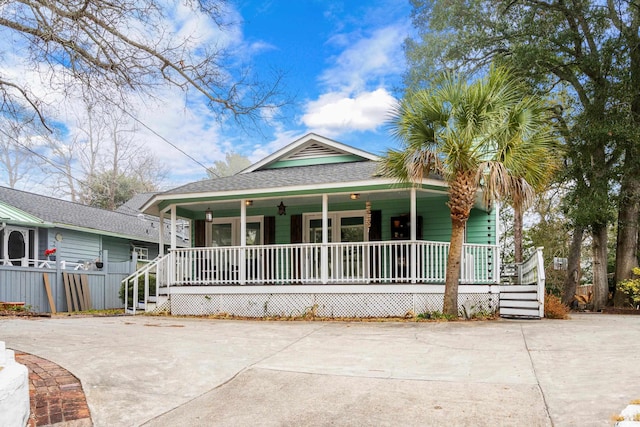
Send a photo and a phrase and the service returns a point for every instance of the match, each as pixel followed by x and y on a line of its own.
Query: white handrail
pixel 42 263
pixel 541 280
pixel 157 267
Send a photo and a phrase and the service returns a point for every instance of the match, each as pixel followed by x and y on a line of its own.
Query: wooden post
pixel 84 280
pixel 47 288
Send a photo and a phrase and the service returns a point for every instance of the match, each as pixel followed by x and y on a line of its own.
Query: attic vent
pixel 314 150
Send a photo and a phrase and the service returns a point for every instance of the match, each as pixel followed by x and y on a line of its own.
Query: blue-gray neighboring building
pixel 31 224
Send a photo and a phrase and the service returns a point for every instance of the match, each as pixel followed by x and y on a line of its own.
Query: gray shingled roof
pixel 285 177
pixel 133 205
pixel 62 212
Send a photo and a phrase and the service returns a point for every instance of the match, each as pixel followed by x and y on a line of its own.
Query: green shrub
pixel 152 288
pixel 435 315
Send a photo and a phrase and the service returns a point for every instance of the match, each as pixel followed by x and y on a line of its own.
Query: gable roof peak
pixel 310 146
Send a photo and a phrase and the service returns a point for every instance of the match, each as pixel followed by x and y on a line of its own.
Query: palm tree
pixel 488 135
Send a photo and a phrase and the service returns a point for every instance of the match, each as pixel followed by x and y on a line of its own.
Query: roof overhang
pixel 14 216
pixel 161 203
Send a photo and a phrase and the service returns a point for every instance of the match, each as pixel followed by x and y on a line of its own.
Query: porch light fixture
pixel 248 202
pixel 282 209
pixel 208 215
pixel 354 196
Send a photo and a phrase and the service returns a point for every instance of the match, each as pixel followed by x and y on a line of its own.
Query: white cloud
pixel 260 46
pixel 202 30
pixel 334 113
pixel 357 96
pixel 367 60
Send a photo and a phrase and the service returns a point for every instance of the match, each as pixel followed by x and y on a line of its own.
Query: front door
pixel 346 262
pixel 226 232
pixel 351 227
pixel 352 262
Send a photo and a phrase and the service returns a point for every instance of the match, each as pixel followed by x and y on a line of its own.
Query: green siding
pixel 436 221
pixel 481 227
pixel 314 161
pixel 283 229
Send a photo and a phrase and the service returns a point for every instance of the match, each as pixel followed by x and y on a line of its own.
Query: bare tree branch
pixel 104 46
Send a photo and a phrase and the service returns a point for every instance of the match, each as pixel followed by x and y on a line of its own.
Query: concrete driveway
pixel 161 371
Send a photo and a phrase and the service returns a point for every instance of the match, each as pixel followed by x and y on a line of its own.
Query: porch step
pixel 519 301
pixel 151 305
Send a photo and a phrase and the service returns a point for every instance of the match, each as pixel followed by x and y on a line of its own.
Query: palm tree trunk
pixel 453 268
pixel 462 196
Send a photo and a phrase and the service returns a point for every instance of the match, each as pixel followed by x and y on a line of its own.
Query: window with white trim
pixel 143 253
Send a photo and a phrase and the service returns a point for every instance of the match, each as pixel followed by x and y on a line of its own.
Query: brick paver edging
pixel 56 395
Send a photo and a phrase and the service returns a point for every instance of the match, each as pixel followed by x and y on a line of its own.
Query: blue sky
pixel 343 64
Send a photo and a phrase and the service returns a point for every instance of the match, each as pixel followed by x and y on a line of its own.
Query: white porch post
pixel 324 251
pixel 174 220
pixel 497 261
pixel 414 234
pixel 161 235
pixel 173 268
pixel 5 244
pixel 242 268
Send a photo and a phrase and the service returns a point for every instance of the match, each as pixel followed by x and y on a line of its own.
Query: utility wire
pixel 81 182
pixel 45 159
pixel 207 169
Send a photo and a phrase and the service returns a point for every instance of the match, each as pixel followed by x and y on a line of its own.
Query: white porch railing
pixel 44 263
pixel 359 263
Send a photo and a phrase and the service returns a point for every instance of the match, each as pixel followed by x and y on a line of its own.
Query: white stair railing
pixel 530 281
pixel 156 269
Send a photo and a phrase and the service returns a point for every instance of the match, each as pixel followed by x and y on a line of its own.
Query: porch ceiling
pixel 300 200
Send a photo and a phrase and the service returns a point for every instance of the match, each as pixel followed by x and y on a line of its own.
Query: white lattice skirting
pixel 345 301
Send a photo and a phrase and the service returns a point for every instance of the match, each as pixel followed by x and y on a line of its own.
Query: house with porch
pixel 315 227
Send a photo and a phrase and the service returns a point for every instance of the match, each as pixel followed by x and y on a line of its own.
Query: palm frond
pixel 491 129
